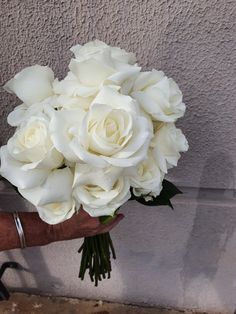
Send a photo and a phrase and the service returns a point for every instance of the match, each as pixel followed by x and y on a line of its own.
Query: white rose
pixel 101 69
pixel 159 96
pixel 53 198
pixel 167 144
pixel 72 87
pixel 94 47
pixel 13 170
pixel 33 84
pixel 95 64
pixel 29 154
pixel 65 127
pixel 146 177
pixel 23 112
pixel 67 102
pixel 100 191
pixel 113 132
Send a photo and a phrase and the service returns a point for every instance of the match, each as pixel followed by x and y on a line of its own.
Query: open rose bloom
pixel 103 134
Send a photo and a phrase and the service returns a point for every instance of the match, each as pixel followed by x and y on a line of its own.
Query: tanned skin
pixel 38 233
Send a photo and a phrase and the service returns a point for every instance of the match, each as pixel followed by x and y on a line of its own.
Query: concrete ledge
pixel 191 195
pixel 33 304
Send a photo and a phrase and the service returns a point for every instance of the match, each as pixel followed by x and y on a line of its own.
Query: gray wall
pixel 184 258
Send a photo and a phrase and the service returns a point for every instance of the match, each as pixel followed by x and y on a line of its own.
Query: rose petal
pixel 61 126
pixel 167 144
pixel 56 213
pixel 32 84
pixel 90 72
pixel 72 87
pixel 17 115
pixel 111 97
pixel 57 188
pixel 105 178
pixel 13 171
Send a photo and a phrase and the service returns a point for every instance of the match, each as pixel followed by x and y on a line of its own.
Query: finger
pixel 114 221
pixel 87 220
pixel 107 227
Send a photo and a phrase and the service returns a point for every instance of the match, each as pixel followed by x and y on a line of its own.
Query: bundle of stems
pixel 96 257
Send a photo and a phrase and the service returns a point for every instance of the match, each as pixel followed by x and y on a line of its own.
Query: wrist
pixel 11 241
pixel 54 233
pixel 35 230
pixel 19 229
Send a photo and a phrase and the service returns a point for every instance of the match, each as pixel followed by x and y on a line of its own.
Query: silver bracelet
pixel 20 230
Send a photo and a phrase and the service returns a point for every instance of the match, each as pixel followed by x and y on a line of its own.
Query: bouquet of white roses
pixel 103 135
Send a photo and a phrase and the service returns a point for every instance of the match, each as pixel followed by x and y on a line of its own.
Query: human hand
pixel 81 225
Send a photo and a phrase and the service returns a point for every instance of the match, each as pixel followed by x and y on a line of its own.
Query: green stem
pixel 101 249
pixel 111 245
pixel 96 257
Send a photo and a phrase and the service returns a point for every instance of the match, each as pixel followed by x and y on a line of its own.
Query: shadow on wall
pixel 31 259
pixel 212 229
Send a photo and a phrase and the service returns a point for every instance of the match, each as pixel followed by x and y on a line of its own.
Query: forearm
pixel 36 231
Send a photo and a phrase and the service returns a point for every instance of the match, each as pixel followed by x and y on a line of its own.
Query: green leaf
pixel 168 191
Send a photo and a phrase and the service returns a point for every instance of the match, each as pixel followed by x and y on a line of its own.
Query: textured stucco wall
pixel 189 257
pixel 192 41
